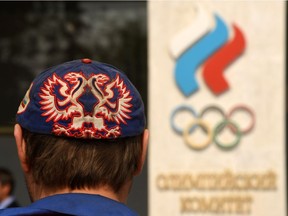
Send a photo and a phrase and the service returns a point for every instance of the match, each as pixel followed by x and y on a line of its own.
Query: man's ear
pixel 145 140
pixel 21 147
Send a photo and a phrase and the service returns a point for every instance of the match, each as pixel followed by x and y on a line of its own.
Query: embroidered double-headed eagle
pixel 109 99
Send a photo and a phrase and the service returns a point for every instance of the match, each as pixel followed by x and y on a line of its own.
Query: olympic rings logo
pixel 212 134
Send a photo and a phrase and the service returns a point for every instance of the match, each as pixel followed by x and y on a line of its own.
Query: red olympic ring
pixel 247 110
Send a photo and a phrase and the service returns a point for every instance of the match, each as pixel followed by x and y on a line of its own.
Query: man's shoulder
pixel 72 204
pixel 25 211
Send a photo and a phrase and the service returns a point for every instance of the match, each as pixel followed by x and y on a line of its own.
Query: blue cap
pixel 82 99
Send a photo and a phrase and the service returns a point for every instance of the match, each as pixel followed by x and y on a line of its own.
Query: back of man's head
pixel 83 123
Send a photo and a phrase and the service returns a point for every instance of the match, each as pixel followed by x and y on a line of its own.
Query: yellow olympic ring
pixel 190 141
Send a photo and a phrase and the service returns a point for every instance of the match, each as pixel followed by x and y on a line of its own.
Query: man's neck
pixel 37 192
pixel 103 191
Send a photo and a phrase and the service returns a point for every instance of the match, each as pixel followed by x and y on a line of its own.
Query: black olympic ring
pixel 212 134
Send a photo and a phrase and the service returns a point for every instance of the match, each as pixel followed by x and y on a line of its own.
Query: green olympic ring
pixel 220 127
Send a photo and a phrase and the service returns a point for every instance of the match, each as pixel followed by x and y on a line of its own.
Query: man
pixel 7 200
pixel 81 139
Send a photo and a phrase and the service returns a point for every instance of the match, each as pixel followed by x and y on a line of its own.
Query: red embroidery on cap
pixel 60 101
